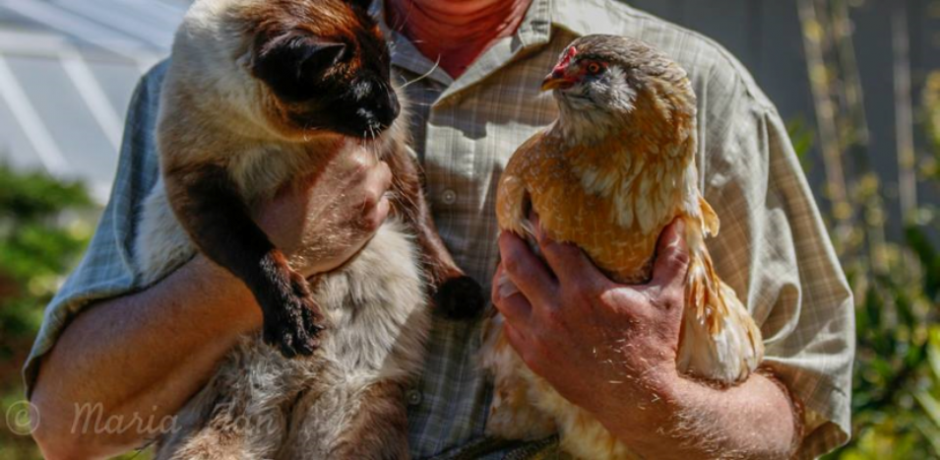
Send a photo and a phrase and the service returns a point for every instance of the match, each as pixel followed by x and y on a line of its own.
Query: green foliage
pixel 897 370
pixel 929 258
pixel 931 166
pixel 38 242
pixel 896 390
pixel 41 237
pixel 33 196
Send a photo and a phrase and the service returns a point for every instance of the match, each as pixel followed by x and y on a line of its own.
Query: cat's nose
pixel 393 109
pixel 385 111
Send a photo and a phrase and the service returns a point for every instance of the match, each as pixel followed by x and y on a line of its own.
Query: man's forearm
pixel 754 420
pixel 138 357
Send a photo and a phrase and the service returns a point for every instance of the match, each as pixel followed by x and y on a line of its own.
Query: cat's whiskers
pixel 375 152
pixel 426 75
pixel 373 146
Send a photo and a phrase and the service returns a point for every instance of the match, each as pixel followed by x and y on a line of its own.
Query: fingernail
pixel 506 287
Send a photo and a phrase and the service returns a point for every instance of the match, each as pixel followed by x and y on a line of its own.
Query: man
pixel 473 71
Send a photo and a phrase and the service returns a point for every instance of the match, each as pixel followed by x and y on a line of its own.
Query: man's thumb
pixel 672 256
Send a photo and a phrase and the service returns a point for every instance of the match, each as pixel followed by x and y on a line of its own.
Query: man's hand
pixel 618 343
pixel 611 349
pixel 328 218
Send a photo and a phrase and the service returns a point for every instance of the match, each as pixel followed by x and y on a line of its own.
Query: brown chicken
pixel 609 175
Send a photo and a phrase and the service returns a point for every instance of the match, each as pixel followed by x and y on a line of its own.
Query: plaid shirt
pixel 773 249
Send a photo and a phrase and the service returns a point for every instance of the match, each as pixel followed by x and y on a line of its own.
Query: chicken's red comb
pixel 563 64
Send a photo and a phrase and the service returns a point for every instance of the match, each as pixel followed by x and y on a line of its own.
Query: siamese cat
pixel 260 94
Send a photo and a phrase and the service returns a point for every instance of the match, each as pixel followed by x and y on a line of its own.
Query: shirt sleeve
pixel 106 270
pixel 773 249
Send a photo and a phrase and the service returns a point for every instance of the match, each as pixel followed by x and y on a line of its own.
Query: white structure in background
pixel 67 72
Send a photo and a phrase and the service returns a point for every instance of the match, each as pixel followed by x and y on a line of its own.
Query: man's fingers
pixel 570 264
pixel 384 172
pixel 374 217
pixel 503 287
pixel 526 270
pixel 377 182
pixel 375 199
pixel 672 257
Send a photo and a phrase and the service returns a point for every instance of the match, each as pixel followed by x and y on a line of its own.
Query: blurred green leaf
pixel 930 405
pixel 920 244
pixel 933 352
pixel 803 139
pixel 42 233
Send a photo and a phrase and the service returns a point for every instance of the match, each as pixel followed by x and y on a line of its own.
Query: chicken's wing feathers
pixel 512 200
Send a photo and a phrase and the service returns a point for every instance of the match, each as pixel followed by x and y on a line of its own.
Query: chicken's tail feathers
pixel 719 341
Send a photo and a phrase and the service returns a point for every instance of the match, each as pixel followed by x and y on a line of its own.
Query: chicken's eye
pixel 594 68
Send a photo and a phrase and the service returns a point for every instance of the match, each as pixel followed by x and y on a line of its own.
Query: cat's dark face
pixel 327 66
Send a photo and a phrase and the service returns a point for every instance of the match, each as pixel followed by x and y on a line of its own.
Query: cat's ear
pixel 289 63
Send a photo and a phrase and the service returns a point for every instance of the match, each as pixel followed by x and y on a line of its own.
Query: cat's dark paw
pixel 294 326
pixel 460 298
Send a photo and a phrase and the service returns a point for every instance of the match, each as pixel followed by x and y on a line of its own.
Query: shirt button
pixel 414 397
pixel 449 197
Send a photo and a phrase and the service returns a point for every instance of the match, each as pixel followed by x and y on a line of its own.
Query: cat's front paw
pixel 460 298
pixel 295 324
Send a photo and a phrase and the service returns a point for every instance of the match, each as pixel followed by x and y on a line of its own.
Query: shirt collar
pixel 583 17
pixel 577 16
pixel 403 53
pixel 535 30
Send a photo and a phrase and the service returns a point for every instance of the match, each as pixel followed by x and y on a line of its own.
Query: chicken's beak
pixel 555 80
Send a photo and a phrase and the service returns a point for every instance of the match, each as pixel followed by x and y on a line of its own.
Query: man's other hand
pixel 323 221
